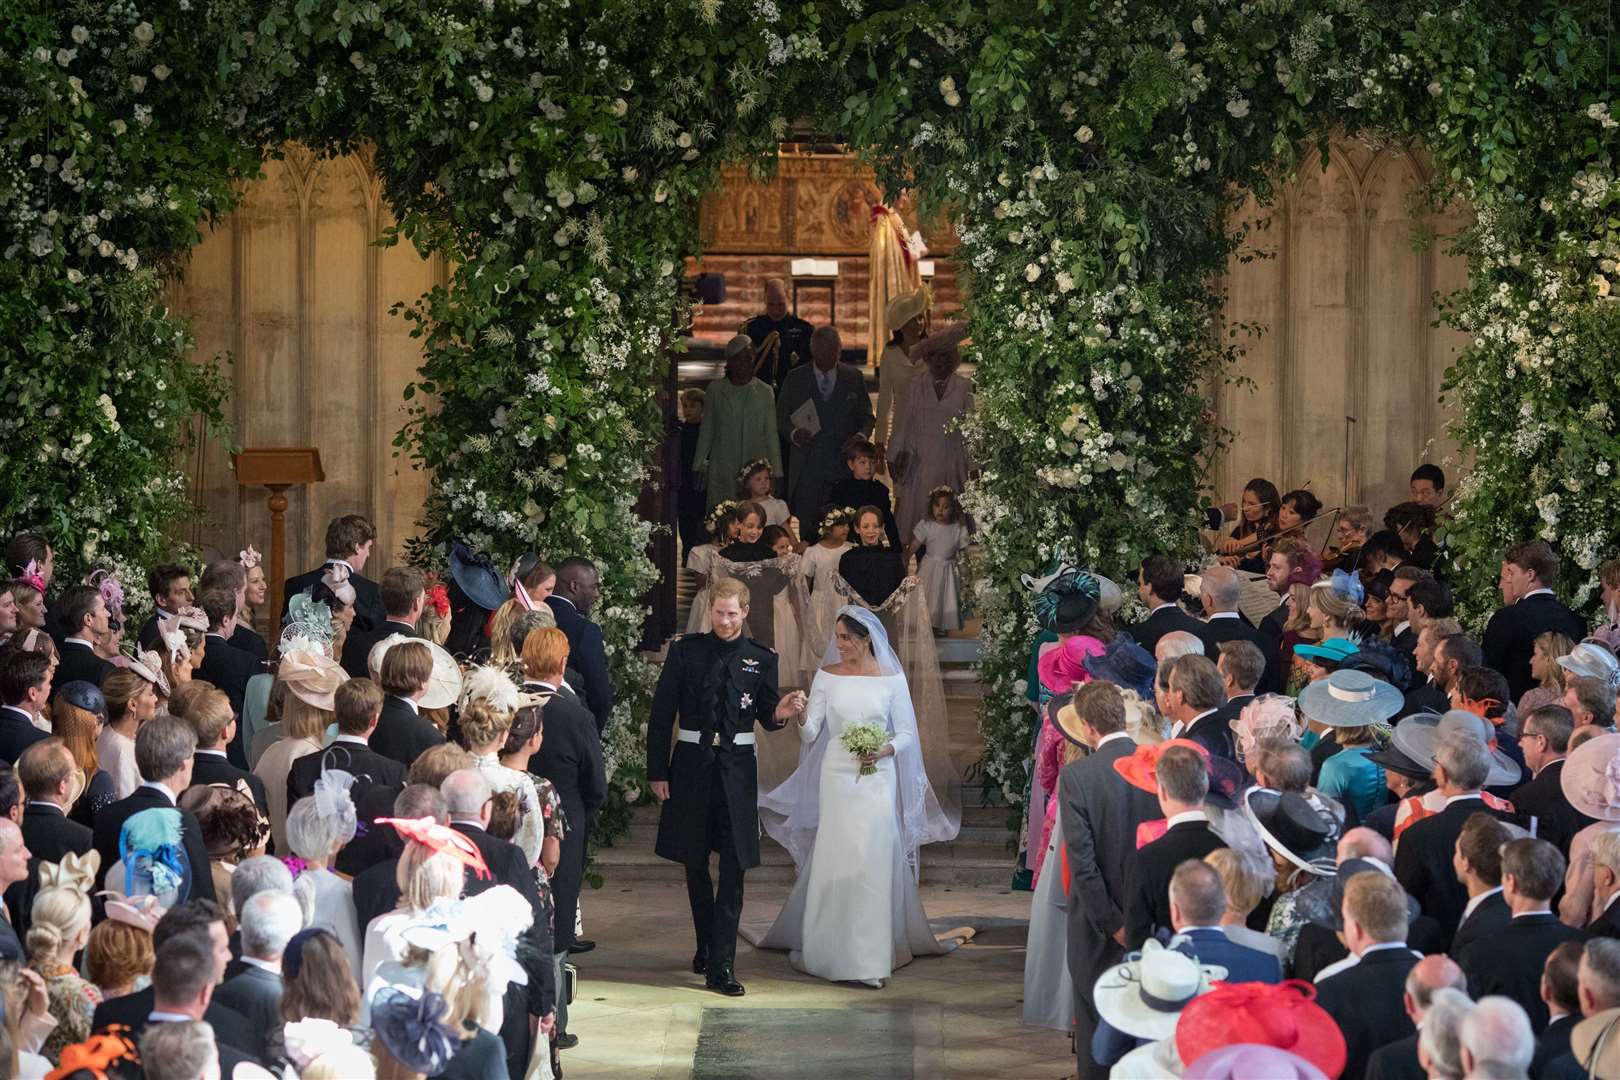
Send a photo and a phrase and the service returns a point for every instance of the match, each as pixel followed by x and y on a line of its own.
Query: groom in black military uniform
pixel 717 684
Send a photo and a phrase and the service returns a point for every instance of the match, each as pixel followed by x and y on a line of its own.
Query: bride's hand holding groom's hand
pixel 873 759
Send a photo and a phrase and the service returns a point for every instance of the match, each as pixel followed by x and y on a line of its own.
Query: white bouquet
pixel 861 739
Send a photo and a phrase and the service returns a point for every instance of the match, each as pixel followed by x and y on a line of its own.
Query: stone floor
pixel 641 1015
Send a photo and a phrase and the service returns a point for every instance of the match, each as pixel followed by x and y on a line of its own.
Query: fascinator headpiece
pixel 96 1055
pixel 492 684
pixel 442 839
pixel 112 593
pixel 141 912
pixel 249 558
pixel 412 1026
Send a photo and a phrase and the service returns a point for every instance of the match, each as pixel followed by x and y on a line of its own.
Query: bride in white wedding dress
pixel 854 914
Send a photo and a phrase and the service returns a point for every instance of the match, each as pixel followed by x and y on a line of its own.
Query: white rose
pixel 106 248
pixel 666 268
pixel 1032 272
pixel 137 83
pixel 1084 134
pixel 1238 107
pixel 119 127
pixel 620 106
pixel 1178 50
pixel 74 276
pixel 684 140
pixel 80 35
pixel 565 199
pixel 161 72
pixel 629 173
pixel 953 99
pixel 144 33
pixel 659 194
pixel 486 92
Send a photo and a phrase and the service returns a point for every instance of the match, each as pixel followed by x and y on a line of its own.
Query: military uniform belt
pixel 717 740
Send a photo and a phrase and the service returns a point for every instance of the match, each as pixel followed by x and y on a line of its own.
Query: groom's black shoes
pixel 700 963
pixel 723 982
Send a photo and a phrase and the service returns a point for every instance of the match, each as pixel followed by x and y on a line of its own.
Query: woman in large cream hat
pixel 904 318
pixel 307 681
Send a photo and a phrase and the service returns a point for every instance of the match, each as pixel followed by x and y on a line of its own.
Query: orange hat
pixel 1139 767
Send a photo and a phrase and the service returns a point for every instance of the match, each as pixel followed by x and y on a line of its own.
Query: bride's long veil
pixel 791 812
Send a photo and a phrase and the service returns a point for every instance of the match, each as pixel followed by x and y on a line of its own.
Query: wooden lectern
pixel 278 468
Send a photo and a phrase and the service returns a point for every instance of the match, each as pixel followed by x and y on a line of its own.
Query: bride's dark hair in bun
pixel 855 628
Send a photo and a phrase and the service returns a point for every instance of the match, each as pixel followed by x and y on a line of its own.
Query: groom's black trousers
pixel 716 913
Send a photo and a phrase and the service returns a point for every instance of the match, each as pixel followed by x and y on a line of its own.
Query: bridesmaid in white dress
pixel 942 535
pixel 855 914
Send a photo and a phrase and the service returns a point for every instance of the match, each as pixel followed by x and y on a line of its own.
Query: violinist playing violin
pixel 1257 524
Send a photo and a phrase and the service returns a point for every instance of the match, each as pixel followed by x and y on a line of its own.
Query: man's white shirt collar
pixel 1224 615
pixel 1402 627
pixel 1186 816
pixel 1111 736
pixel 79 641
pixel 167 794
pixel 1160 607
pixel 414 708
pixel 1474 902
pixel 1459 798
pixel 210 752
pixel 1534 592
pixel 272 966
pixel 349 739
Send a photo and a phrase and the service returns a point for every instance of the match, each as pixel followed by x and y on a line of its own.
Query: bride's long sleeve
pixel 902 720
pixel 815 713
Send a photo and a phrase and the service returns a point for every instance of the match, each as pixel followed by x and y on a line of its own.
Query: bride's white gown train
pixel 854 914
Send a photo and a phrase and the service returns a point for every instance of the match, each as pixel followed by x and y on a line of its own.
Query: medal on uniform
pixel 747 702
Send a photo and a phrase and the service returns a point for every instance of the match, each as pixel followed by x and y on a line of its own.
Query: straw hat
pixel 1417 735
pixel 313 676
pixel 1349 699
pixel 1591 778
pixel 905 307
pixel 1595 1043
pixel 444 684
pixel 1144 996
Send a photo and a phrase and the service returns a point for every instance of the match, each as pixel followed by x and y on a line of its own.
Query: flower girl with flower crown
pixel 941 535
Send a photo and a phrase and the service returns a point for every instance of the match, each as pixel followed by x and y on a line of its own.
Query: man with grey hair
pixel 1439 1040
pixel 1604 852
pixel 739 425
pixel 269 919
pixel 1177 643
pixel 376 888
pixel 1189 694
pixel 182 1050
pixel 836 396
pixel 1220 592
pixel 467 798
pixel 1496 1039
pixel 1423 853
pixel 251 877
pixel 163 753
pixel 1399 1060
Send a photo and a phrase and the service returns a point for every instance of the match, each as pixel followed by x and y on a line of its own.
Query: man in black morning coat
pixel 1160 583
pixel 717 685
pixel 1100 814
pixel 1530 610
